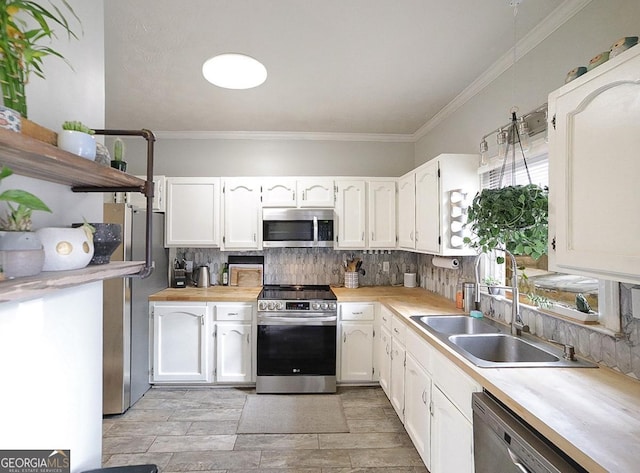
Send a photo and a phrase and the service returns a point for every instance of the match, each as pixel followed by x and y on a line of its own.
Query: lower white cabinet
pixel 202 342
pixel 451 437
pixel 383 359
pixel 417 406
pixel 356 342
pixel 233 352
pixel 396 386
pixel 181 342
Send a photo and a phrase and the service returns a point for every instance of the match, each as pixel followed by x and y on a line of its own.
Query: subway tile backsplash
pixel 324 266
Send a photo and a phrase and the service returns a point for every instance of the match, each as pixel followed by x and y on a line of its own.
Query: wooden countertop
pixel 591 414
pixel 208 294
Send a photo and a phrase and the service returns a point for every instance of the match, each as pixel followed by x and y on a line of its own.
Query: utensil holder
pixel 351 279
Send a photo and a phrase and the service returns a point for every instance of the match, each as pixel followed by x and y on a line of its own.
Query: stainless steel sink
pixel 455 324
pixel 487 346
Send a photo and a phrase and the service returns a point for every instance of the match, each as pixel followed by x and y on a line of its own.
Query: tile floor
pixel 184 430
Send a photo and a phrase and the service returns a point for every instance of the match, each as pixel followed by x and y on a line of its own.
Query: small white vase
pixel 77 142
pixel 21 254
pixel 65 248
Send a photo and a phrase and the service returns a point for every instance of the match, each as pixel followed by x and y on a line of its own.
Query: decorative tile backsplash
pixel 324 266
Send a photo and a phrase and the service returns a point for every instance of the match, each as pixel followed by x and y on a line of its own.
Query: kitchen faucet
pixel 517 325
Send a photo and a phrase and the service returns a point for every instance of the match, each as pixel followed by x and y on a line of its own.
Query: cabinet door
pixel 397 377
pixel 279 193
pixel 139 201
pixel 356 352
pixel 594 169
pixel 351 214
pixel 193 212
pixel 233 352
pixel 383 360
pixel 241 214
pixel 451 438
pixel 316 193
pixel 428 208
pixel 417 401
pixel 382 214
pixel 181 343
pixel 407 211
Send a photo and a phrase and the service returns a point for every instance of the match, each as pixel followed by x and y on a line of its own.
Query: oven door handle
pixel 330 320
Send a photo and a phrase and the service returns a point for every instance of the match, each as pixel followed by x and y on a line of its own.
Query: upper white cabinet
pixel 193 212
pixel 441 188
pixel 351 214
pixel 407 211
pixel 241 214
pixel 594 138
pixel 382 214
pixel 298 192
pixel 316 192
pixel 139 201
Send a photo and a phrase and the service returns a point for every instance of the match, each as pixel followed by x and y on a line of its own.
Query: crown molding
pixel 288 135
pixel 544 29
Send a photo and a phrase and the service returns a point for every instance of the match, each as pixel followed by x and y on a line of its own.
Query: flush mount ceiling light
pixel 234 71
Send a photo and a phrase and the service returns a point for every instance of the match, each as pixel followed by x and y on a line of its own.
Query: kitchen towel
pixel 442 262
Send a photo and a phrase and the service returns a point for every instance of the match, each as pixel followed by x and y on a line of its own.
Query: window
pixel 536 280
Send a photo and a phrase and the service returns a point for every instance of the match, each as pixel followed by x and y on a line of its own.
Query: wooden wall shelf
pixel 29 157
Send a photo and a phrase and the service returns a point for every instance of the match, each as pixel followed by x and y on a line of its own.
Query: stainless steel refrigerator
pixel 126 310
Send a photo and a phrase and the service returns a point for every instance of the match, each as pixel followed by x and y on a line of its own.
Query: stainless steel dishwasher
pixel 504 443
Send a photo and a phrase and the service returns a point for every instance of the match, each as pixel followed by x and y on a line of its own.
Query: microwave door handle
pixel 315 230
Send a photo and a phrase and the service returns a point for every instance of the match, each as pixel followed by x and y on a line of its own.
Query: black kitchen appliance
pixel 297 331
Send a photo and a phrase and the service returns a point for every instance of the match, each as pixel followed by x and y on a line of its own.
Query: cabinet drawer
pixel 385 317
pixel 398 330
pixel 234 312
pixel 357 312
pixel 454 383
pixel 420 349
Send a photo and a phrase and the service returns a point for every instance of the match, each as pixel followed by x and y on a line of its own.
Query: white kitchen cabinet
pixel 351 214
pixel 407 211
pixel 235 345
pixel 383 359
pixel 356 342
pixel 381 201
pixel 594 139
pixel 233 352
pixel 451 437
pixel 181 342
pixel 139 201
pixel 279 192
pixel 316 192
pixel 417 405
pixel 398 357
pixel 241 214
pixel 192 212
pixel 446 182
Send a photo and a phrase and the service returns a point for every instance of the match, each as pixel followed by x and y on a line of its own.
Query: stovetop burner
pixel 297 292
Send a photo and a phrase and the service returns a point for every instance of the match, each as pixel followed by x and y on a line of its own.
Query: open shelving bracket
pixel 148 190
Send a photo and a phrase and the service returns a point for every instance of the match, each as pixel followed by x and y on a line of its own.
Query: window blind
pixel 538 170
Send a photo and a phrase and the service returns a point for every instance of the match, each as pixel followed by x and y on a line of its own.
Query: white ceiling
pixel 335 66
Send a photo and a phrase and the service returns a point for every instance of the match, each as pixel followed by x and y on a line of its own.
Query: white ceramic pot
pixel 21 254
pixel 65 248
pixel 77 142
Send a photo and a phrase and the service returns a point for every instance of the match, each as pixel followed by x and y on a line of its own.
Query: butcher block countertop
pixel 592 414
pixel 208 294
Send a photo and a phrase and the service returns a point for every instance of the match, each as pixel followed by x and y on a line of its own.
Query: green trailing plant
pixel 540 301
pixel 77 126
pixel 18 218
pixel 514 218
pixel 24 24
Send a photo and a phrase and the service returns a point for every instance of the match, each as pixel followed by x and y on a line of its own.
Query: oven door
pixel 296 348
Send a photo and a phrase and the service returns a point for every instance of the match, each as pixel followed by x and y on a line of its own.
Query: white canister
pixel 351 279
pixel 409 279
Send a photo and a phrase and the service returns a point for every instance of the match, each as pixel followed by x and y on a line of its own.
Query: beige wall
pixel 592 30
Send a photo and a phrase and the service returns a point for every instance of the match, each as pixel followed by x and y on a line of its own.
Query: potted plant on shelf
pixel 118 154
pixel 491 284
pixel 77 138
pixel 25 24
pixel 23 254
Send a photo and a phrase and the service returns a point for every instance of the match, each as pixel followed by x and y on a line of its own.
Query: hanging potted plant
pixel 23 254
pixel 25 24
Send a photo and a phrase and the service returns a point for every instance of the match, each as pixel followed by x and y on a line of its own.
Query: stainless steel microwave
pixel 297 228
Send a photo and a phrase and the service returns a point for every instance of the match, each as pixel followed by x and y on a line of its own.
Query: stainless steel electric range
pixel 296 339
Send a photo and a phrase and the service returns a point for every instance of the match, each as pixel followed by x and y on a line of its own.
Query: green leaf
pixel 25 199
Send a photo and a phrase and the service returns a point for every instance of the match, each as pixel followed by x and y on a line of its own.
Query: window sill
pixel 524 302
